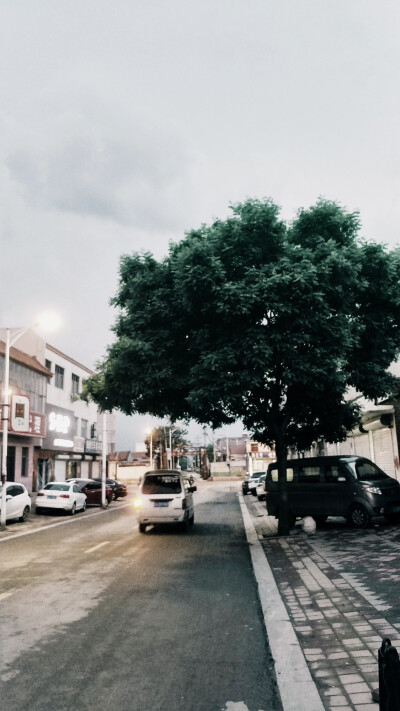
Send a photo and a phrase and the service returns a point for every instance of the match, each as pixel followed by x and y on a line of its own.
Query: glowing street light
pixel 48 321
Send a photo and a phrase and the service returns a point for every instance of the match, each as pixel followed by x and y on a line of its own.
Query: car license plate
pixel 161 503
pixel 51 497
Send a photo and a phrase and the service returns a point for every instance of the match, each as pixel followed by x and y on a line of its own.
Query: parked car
pixel 18 501
pixel 347 485
pixel 260 488
pixel 254 481
pixel 118 489
pixel 247 480
pixel 60 495
pixel 93 491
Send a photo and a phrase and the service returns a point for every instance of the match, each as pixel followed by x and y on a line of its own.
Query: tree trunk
pixel 283 514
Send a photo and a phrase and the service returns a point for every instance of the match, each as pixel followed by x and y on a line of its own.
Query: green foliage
pixel 252 319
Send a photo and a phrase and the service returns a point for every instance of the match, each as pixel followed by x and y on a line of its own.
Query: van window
pixel 162 484
pixel 365 470
pixel 308 474
pixel 331 473
pixel 289 474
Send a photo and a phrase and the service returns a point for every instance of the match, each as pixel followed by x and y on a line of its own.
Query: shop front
pixel 64 454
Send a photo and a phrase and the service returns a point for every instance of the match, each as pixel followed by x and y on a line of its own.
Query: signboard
pixel 60 426
pixel 19 413
pixel 36 427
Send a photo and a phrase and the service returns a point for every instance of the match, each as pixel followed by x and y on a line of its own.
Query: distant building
pixel 127 466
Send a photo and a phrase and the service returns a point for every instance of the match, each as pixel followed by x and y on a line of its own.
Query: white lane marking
pixel 95 548
pixel 6 594
pixel 296 686
pixel 73 519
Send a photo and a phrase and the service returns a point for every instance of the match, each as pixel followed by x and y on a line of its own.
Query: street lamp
pixel 150 432
pixel 48 320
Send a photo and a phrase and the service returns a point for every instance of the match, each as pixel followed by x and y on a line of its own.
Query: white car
pixel 64 495
pixel 18 501
pixel 253 482
pixel 260 488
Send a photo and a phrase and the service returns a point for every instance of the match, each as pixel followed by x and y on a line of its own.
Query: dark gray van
pixel 348 486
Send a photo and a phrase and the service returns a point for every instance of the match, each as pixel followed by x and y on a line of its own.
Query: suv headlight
pixel 372 489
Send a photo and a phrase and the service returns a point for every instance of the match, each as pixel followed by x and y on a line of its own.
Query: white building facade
pixel 74 427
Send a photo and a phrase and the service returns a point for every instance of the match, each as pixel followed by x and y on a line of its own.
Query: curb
pixel 296 687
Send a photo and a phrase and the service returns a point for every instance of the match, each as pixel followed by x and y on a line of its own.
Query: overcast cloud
pixel 126 123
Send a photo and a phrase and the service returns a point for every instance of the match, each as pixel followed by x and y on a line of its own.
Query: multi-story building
pixel 74 427
pixel 28 377
pixel 66 434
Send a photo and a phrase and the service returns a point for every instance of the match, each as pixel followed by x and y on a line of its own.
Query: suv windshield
pixel 365 471
pixel 162 484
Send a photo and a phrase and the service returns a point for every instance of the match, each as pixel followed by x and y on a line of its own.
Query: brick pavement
pixel 341 590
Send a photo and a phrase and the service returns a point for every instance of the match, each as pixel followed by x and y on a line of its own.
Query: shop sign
pixel 36 427
pixel 59 423
pixel 19 413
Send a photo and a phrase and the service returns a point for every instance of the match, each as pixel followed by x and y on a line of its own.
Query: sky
pixel 126 124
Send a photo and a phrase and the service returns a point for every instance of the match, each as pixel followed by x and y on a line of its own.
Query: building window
pixel 59 377
pixel 24 461
pixel 75 384
pixel 48 364
pixel 84 428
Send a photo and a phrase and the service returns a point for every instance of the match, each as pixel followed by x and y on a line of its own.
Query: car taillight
pixel 64 496
pixel 40 493
pixel 183 503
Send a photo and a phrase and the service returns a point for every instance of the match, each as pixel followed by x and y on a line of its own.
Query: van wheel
pixel 358 516
pixel 142 527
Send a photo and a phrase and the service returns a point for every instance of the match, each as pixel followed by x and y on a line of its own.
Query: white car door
pixel 15 500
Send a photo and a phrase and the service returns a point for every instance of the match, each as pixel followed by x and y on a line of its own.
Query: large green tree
pixel 254 319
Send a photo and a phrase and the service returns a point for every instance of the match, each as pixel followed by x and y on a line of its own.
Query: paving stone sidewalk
pixel 340 608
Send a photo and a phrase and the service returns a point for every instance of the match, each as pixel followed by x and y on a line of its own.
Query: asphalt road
pixel 95 616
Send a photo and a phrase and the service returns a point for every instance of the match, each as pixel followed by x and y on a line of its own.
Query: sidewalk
pixel 339 618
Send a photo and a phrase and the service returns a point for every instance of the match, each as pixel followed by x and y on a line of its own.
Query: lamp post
pixel 104 462
pixel 150 432
pixel 48 320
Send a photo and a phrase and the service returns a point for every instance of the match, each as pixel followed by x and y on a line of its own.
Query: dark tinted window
pixel 332 473
pixel 308 474
pixel 14 490
pixel 162 484
pixel 365 470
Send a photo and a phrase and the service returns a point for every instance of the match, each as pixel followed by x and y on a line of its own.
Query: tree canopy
pixel 253 319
